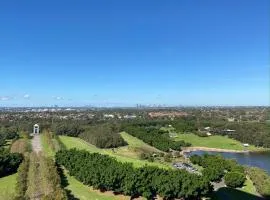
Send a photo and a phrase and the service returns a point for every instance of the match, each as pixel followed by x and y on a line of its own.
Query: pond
pixel 254 159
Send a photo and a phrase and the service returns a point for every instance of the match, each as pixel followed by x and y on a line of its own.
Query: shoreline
pixel 190 149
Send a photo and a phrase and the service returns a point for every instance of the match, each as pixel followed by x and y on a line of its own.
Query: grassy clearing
pixel 7 187
pixel 137 143
pixel 72 142
pixel 135 147
pixel 214 141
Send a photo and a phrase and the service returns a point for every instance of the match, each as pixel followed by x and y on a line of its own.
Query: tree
pixel 234 179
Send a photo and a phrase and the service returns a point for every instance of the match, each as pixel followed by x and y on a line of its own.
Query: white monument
pixel 36 129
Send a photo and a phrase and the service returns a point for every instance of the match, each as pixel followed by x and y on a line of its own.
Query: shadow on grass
pixel 233 194
pixel 64 184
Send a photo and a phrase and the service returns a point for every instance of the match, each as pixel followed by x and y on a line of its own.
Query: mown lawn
pixel 214 141
pixel 73 142
pixel 7 187
pixel 83 192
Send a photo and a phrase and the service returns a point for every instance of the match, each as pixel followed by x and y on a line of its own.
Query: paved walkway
pixel 36 144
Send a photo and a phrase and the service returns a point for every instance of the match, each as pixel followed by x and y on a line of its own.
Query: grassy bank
pixel 72 142
pixel 83 192
pixel 7 187
pixel 215 141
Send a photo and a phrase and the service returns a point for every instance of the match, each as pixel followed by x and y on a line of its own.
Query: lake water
pixel 261 160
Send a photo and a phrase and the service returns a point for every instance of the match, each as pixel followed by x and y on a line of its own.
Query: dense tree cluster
pixel 260 179
pixel 68 129
pixel 105 173
pixel 153 136
pixel 215 167
pixel 7 133
pixel 234 179
pixel 9 162
pixel 103 136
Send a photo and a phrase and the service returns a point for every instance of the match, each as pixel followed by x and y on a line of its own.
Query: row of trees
pixel 215 167
pixel 105 173
pixel 153 136
pixel 9 162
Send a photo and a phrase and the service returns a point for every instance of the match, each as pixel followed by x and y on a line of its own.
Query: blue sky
pixel 120 53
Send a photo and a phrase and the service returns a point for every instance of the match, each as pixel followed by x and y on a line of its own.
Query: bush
pixel 9 162
pixel 234 179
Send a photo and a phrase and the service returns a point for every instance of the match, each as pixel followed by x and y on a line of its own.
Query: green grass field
pixel 214 141
pixel 72 142
pixel 7 187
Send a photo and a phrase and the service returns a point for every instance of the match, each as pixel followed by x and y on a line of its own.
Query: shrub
pixel 234 179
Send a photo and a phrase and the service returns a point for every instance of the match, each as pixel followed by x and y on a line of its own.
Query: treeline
pixel 216 167
pixel 153 136
pixel 102 135
pixel 105 173
pixel 260 179
pixel 9 162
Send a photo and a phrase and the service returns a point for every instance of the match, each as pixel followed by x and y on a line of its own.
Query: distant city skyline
pixel 123 53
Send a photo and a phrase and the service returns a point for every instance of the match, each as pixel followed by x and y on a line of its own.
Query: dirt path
pixel 36 144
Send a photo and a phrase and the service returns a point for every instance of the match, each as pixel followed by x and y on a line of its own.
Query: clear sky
pixel 120 53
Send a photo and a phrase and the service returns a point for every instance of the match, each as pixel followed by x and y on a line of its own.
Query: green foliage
pixel 260 179
pixel 103 136
pixel 234 179
pixel 9 162
pixel 69 129
pixel 105 173
pixel 153 136
pixel 21 185
pixel 215 166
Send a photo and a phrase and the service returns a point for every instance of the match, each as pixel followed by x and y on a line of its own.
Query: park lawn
pixel 73 142
pixel 83 192
pixel 214 141
pixel 7 186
